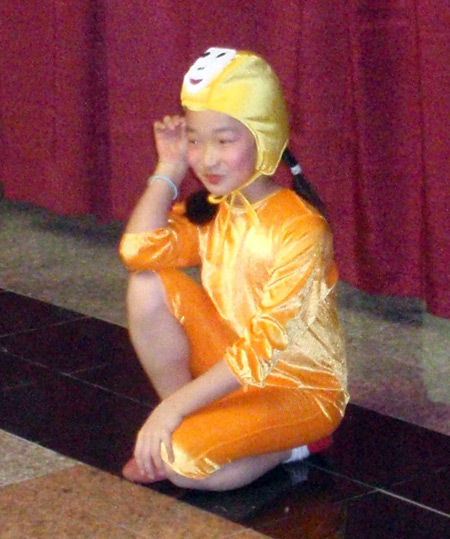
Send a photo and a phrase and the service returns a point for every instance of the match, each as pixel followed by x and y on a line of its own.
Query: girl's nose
pixel 210 156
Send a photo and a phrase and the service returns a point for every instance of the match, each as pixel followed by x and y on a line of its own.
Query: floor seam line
pixel 412 502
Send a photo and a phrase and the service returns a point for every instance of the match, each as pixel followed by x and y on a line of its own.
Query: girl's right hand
pixel 171 145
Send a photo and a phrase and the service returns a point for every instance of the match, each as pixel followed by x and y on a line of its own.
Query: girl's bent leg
pixel 177 333
pixel 234 475
pixel 248 424
pixel 158 338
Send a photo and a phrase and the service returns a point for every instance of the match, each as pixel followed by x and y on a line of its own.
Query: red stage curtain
pixel 367 83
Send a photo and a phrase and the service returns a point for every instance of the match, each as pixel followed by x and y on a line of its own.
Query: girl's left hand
pixel 156 430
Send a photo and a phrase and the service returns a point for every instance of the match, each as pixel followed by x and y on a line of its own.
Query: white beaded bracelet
pixel 168 181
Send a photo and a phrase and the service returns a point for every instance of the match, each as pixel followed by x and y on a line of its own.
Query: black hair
pixel 301 185
pixel 200 211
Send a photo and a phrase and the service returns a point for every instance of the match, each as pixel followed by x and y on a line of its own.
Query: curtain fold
pixel 366 81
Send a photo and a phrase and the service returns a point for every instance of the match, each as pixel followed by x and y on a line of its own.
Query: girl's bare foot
pixel 132 473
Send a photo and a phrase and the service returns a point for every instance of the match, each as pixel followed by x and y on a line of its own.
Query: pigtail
pixel 198 209
pixel 301 185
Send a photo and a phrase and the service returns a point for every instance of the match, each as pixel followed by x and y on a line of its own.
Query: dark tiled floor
pixel 72 384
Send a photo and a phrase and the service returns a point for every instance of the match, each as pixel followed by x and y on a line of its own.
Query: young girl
pixel 249 365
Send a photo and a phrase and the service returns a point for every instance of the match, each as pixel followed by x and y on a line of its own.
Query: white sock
pixel 298 453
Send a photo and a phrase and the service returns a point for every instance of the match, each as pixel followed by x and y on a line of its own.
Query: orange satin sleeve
pixel 173 246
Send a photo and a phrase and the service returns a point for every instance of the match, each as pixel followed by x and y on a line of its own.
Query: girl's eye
pixel 225 141
pixel 193 142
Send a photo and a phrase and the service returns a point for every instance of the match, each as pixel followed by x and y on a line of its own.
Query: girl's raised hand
pixel 171 145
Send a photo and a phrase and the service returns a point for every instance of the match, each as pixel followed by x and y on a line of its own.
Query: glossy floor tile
pixel 72 385
pixel 431 490
pixel 21 313
pixel 380 450
pixel 90 503
pixel 379 515
pixel 22 460
pixel 87 349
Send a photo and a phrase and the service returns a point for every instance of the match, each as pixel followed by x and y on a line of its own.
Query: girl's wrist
pixel 174 171
pixel 175 403
pixel 168 181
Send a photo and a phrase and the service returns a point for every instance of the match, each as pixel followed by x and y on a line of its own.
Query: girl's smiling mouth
pixel 213 179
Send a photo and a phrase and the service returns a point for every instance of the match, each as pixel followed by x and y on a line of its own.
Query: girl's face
pixel 221 150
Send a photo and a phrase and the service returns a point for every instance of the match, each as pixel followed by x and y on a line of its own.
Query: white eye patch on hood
pixel 207 67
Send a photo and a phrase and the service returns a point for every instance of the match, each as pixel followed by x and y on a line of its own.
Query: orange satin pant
pixel 249 421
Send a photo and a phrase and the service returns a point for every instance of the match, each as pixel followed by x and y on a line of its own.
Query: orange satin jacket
pixel 270 272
